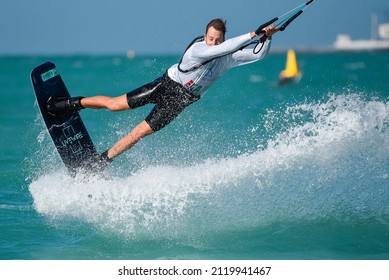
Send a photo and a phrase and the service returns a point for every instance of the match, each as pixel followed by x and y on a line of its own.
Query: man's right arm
pixel 203 52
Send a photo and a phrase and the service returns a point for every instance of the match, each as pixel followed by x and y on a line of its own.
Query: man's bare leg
pixel 110 103
pixel 118 104
pixel 127 142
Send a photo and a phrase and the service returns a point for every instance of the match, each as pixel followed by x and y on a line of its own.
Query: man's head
pixel 215 32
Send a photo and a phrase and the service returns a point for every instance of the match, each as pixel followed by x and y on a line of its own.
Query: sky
pixel 54 27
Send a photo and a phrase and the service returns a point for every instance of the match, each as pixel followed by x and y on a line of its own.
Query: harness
pixel 200 39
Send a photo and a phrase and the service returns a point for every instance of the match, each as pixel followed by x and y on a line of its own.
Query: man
pixel 183 83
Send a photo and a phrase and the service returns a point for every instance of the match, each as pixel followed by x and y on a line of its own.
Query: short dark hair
pixel 219 24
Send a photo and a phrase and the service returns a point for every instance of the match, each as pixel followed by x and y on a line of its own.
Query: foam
pixel 325 160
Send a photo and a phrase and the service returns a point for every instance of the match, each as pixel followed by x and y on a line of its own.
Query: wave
pixel 325 160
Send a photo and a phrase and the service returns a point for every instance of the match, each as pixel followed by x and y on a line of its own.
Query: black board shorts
pixel 170 99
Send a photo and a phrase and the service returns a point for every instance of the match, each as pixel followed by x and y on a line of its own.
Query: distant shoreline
pixel 324 49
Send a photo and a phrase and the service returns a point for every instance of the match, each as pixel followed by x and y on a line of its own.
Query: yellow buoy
pixel 291 71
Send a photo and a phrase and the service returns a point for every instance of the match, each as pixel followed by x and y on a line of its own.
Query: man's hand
pixel 268 32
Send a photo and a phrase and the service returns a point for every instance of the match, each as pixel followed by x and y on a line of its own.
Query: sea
pixel 252 171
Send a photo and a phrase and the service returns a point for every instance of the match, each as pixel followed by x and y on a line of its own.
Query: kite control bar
pixel 285 19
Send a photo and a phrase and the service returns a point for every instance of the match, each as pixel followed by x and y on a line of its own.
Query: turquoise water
pixel 251 171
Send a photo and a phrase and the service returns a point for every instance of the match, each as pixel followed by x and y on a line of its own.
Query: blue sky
pixel 166 27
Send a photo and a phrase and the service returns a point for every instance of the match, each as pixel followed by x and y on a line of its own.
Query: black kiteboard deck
pixel 67 129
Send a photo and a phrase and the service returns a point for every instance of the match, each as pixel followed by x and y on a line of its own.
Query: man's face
pixel 213 37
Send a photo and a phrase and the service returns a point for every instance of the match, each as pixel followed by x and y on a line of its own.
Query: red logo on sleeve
pixel 189 84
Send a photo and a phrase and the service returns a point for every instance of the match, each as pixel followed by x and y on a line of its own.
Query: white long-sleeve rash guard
pixel 199 80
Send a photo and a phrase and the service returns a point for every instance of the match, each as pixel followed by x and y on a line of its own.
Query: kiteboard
pixel 67 129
